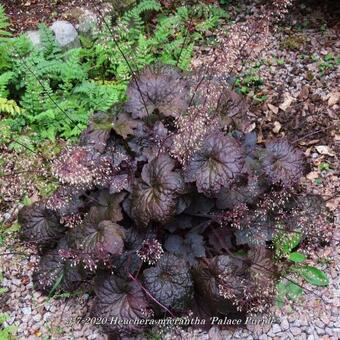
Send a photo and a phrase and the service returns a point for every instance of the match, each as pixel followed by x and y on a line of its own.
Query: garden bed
pixel 292 92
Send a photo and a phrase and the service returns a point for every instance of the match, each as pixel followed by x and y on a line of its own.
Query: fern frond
pixel 49 45
pixel 4 23
pixel 4 80
pixel 9 106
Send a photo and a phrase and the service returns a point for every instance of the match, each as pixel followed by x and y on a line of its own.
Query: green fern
pixel 4 24
pixel 4 80
pixel 50 47
pixel 9 106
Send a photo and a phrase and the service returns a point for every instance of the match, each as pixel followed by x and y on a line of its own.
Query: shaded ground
pixel 27 14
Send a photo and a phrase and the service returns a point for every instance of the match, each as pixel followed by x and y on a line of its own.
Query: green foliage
pixel 251 82
pixel 328 62
pixel 312 275
pixel 284 243
pixel 3 24
pixel 7 332
pixel 296 257
pixel 167 41
pixel 46 93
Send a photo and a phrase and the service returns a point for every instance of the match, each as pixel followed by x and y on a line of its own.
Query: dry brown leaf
pixel 313 175
pixel 287 102
pixel 273 108
pixel 333 98
pixel 333 204
pixel 277 127
pixel 324 150
pixel 304 93
pixel 251 127
pixel 309 142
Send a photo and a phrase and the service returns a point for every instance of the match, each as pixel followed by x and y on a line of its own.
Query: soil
pixel 27 14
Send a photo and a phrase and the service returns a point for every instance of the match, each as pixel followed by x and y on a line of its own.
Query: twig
pixel 149 294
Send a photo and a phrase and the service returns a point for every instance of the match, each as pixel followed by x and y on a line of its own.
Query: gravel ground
pixel 316 314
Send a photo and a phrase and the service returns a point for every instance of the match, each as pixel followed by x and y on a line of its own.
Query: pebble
pixel 284 324
pixel 276 328
pixel 27 310
pixel 37 317
pixel 320 331
pixel 295 330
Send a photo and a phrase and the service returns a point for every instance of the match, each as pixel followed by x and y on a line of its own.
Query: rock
pixel 295 331
pixel 276 328
pixel 65 34
pixel 325 319
pixel 284 324
pixel 214 333
pixel 37 317
pixel 27 310
pixel 35 38
pixel 320 331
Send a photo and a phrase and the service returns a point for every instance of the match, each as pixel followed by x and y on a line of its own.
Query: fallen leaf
pixel 38 333
pixel 324 150
pixel 251 127
pixel 273 108
pixel 333 204
pixel 304 93
pixel 25 280
pixel 277 127
pixel 333 98
pixel 287 102
pixel 313 175
pixel 309 142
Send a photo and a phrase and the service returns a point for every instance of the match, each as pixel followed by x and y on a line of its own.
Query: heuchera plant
pixel 156 234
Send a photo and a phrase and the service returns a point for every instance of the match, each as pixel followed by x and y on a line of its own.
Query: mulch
pixel 27 14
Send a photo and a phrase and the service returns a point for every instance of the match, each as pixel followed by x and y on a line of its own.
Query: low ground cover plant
pixel 166 205
pixel 167 209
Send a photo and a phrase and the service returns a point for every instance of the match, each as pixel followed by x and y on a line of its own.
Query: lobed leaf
pixel 40 224
pixel 121 299
pixel 170 282
pixel 216 165
pixel 161 89
pixel 154 196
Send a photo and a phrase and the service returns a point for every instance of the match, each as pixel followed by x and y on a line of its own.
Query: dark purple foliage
pixel 216 165
pixel 40 225
pixel 159 234
pixel 170 282
pixel 282 163
pixel 161 89
pixel 121 299
pixel 154 195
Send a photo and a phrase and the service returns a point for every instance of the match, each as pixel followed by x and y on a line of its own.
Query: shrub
pixel 160 233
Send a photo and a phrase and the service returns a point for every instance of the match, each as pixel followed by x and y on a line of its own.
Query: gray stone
pixel 35 38
pixel 284 324
pixel 37 318
pixel 215 333
pixel 320 331
pixel 295 331
pixel 276 328
pixel 27 310
pixel 65 34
